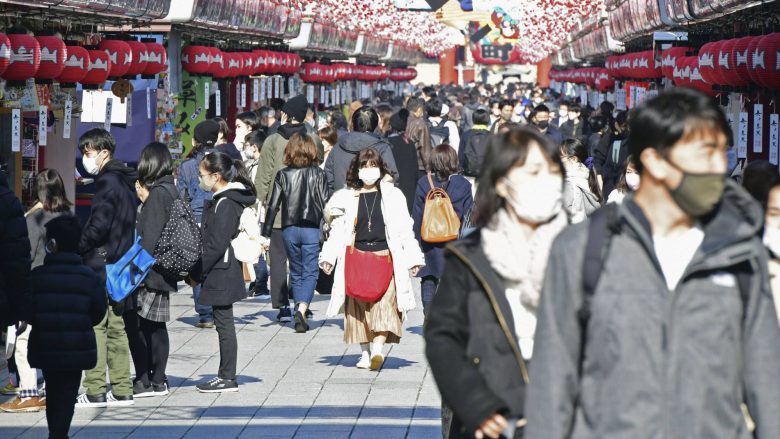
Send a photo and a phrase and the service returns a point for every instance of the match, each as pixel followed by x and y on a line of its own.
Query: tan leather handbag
pixel 440 223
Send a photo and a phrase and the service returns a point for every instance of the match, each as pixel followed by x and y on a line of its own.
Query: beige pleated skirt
pixel 365 320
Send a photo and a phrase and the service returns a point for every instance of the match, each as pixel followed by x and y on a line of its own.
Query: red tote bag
pixel 366 275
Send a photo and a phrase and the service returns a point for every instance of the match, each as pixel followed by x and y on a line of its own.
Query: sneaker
pixel 84 401
pixel 309 314
pixel 10 389
pixel 119 401
pixel 205 324
pixel 365 361
pixel 218 385
pixel 142 391
pixel 27 405
pixel 376 360
pixel 300 323
pixel 160 389
pixel 284 316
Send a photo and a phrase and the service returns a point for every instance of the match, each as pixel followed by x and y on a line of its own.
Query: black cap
pixel 296 107
pixel 206 132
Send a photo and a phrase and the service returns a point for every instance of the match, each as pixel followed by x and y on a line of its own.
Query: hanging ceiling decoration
pixel 383 19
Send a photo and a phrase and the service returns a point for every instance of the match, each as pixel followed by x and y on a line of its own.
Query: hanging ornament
pixel 121 88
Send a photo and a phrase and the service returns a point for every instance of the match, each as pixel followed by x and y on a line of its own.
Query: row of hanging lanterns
pixel 328 73
pixel 47 58
pixel 205 60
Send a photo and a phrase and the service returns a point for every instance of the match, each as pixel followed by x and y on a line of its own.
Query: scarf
pixel 521 262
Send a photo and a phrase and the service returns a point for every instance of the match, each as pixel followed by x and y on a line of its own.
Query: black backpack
pixel 179 247
pixel 604 224
pixel 439 133
pixel 474 154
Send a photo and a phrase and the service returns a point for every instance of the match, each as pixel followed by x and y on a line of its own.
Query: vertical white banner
pixel 640 96
pixel 774 135
pixel 310 93
pixel 291 86
pixel 255 90
pixel 238 95
pixel 742 135
pixel 333 97
pixel 338 95
pixel 149 103
pixel 270 87
pixel 217 100
pixel 278 91
pixel 43 122
pixel 129 109
pixel 16 130
pixel 243 94
pixel 206 93
pixel 758 128
pixel 323 97
pixel 109 110
pixel 66 119
pixel 262 88
pixel 620 99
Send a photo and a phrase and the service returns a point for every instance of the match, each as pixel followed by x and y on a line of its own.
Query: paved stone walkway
pixel 291 386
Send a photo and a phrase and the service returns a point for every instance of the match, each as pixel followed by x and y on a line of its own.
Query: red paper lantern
pixel 218 67
pixel 604 81
pixel 696 80
pixel 625 66
pixel 196 59
pixel 682 72
pixel 120 55
pixel 260 64
pixel 769 71
pixel 727 64
pixel 98 69
pixel 140 58
pixel 25 58
pixel 721 62
pixel 296 63
pixel 271 64
pixel 668 58
pixel 158 59
pixel 5 52
pixel 739 61
pixel 249 64
pixel 53 54
pixel 311 72
pixel 755 58
pixel 706 62
pixel 643 65
pixel 235 64
pixel 75 65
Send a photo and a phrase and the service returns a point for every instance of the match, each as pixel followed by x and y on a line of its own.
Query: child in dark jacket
pixel 67 300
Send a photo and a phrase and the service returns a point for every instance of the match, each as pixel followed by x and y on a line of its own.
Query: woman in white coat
pixel 370 215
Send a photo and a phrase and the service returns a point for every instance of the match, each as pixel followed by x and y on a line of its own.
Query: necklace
pixel 369 212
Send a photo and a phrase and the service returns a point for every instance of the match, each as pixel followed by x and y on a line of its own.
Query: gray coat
pixel 348 147
pixel 659 363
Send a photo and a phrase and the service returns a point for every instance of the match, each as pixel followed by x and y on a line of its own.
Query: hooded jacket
pixel 578 200
pixel 658 363
pixel 348 147
pixel 110 229
pixel 152 217
pixel 15 259
pixel 220 272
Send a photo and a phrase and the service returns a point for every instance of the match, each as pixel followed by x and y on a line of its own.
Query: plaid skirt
pixel 153 305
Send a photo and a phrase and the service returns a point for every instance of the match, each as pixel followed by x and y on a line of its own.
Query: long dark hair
pixel 622 186
pixel 155 163
pixel 230 170
pixel 365 157
pixel 504 152
pixel 50 191
pixel 575 149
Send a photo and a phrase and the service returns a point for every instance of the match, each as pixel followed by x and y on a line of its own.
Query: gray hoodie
pixel 348 147
pixel 578 200
pixel 659 363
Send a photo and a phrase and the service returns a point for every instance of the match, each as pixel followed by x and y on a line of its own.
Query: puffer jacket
pixel 301 193
pixel 659 363
pixel 470 341
pixel 578 200
pixel 68 299
pixel 15 255
pixel 219 271
pixel 348 147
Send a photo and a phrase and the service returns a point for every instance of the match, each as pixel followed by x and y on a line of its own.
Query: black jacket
pixel 220 272
pixel 340 158
pixel 110 229
pixel 14 256
pixel 474 151
pixel 301 193
pixel 470 341
pixel 152 218
pixel 405 155
pixel 230 149
pixel 68 299
pixel 570 130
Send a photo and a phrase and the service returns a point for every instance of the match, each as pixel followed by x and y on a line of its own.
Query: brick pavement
pixel 291 386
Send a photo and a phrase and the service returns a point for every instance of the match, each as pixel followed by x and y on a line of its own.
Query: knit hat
pixel 207 132
pixel 398 120
pixel 296 107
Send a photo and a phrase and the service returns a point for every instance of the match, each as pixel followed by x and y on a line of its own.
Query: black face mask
pixel 542 124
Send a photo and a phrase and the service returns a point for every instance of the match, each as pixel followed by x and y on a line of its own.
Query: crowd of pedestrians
pixel 583 272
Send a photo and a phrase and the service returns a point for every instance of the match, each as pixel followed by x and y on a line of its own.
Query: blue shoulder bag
pixel 126 274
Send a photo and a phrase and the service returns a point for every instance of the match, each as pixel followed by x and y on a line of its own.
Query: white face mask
pixel 564 114
pixel 535 201
pixel 369 176
pixel 632 181
pixel 91 164
pixel 772 239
